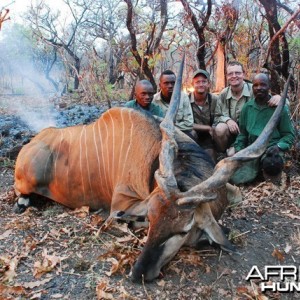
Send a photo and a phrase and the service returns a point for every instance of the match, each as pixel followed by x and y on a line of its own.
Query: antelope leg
pixel 22 204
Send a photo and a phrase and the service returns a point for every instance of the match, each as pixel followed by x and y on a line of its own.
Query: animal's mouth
pixel 146 268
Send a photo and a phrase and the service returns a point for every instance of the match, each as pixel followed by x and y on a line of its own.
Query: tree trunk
pixel 77 67
pixel 220 74
pixel 201 50
pixel 279 51
pixel 153 40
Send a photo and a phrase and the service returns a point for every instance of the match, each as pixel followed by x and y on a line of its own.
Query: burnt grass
pixel 52 252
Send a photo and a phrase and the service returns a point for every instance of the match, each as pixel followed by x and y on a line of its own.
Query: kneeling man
pixel 254 116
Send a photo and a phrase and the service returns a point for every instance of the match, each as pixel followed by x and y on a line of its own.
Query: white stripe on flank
pixel 112 173
pixel 97 153
pixel 69 161
pixel 80 161
pixel 88 164
pixel 121 146
pixel 129 146
pixel 107 160
pixel 103 167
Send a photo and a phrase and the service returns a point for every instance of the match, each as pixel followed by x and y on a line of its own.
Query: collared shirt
pixel 204 115
pixel 229 107
pixel 152 108
pixel 253 120
pixel 184 118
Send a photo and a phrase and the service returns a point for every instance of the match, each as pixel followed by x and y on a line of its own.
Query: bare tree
pixel 4 16
pixel 48 68
pixel 25 57
pixel 145 50
pixel 45 25
pixel 213 32
pixel 278 58
pixel 105 23
pixel 199 28
pixel 227 16
pixel 290 11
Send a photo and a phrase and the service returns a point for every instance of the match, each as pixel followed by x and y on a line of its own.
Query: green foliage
pixel 294 44
pixel 104 92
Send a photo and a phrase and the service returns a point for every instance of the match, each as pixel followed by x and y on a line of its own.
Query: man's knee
pixel 221 130
pixel 222 136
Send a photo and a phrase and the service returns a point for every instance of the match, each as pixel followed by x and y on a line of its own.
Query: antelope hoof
pixel 225 229
pixel 228 247
pixel 21 205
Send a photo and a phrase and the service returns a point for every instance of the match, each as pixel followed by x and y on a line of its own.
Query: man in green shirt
pixel 230 104
pixel 143 99
pixel 254 116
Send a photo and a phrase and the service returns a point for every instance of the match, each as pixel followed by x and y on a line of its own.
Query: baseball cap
pixel 201 71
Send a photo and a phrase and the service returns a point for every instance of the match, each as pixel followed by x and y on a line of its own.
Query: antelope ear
pixel 193 201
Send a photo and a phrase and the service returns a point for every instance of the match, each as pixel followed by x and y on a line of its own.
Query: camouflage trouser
pixel 249 170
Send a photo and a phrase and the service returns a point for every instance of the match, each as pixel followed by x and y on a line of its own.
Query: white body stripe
pixel 129 146
pixel 88 165
pixel 84 164
pixel 80 162
pixel 121 146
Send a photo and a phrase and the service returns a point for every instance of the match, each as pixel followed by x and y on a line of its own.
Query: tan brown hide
pixel 91 164
pixel 139 168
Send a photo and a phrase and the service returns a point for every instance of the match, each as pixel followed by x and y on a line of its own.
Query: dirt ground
pixel 52 252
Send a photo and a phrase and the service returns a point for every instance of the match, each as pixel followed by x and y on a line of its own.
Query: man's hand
pixel 274 101
pixel 273 150
pixel 230 151
pixel 204 128
pixel 233 127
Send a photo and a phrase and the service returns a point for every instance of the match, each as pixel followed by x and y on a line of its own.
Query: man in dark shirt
pixel 143 99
